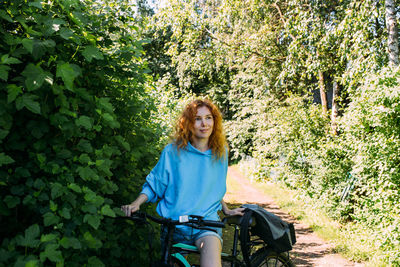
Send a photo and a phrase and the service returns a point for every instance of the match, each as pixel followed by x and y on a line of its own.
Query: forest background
pixel 309 90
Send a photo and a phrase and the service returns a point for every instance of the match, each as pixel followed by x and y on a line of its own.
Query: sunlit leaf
pixel 68 72
pixel 91 52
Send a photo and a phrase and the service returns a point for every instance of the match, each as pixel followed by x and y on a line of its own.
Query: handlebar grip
pixel 213 224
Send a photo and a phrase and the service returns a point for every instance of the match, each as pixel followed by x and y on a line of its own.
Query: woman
pixel 190 178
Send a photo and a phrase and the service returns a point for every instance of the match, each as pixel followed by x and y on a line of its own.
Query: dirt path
pixel 309 250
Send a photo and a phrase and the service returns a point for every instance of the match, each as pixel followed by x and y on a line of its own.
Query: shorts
pixel 188 235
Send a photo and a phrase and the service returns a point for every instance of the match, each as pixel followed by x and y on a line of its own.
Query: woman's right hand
pixel 135 205
pixel 131 208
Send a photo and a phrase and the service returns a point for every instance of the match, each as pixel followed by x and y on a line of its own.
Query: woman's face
pixel 203 124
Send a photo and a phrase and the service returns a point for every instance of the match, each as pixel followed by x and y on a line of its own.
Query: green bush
pixel 76 133
pixel 371 127
pixel 287 137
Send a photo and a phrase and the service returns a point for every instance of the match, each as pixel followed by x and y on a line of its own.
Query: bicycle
pixel 260 254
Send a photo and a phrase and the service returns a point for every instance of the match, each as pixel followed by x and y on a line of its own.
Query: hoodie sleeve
pixel 157 180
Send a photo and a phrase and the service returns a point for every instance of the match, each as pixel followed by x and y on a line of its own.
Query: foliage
pixel 75 132
pixel 292 145
pixel 371 128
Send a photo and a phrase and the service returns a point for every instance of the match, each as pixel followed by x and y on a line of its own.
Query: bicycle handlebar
pixel 190 220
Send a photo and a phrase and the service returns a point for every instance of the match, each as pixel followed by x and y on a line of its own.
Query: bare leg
pixel 210 251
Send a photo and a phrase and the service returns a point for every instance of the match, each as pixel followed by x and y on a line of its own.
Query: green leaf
pixel 48 238
pixel 5 16
pixel 107 211
pixel 86 173
pixel 66 33
pixel 41 157
pixel 29 200
pixel 84 121
pixel 89 208
pixel 85 146
pixel 91 52
pixel 41 47
pixel 53 206
pixel 84 158
pixel 68 72
pixel 91 241
pixel 51 253
pixel 75 187
pixel 57 190
pixel 91 196
pixel 12 201
pixel 39 184
pixel 110 120
pixel 92 220
pixel 35 76
pixel 30 236
pixel 4 159
pixel 5 59
pixel 104 104
pixel 123 143
pixel 30 104
pixel 4 72
pixel 13 92
pixel 28 101
pixel 108 117
pixel 65 213
pixel 3 133
pixel 28 44
pixel 49 219
pixel 104 166
pixel 18 190
pixel 37 4
pixel 70 242
pixel 32 263
pixel 95 262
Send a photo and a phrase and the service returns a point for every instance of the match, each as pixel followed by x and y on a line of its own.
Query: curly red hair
pixel 184 128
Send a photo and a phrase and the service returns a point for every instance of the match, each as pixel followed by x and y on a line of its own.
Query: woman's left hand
pixel 237 211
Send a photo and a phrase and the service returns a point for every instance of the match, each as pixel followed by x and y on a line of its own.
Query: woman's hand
pixel 131 208
pixel 135 205
pixel 228 212
pixel 237 211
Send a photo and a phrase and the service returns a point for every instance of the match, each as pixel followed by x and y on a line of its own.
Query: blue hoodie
pixel 188 182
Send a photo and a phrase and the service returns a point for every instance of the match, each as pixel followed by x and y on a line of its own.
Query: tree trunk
pixel 334 108
pixel 393 34
pixel 322 92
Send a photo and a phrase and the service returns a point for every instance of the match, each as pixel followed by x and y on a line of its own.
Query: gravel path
pixel 310 250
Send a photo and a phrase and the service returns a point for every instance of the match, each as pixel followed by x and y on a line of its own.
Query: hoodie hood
pixel 191 148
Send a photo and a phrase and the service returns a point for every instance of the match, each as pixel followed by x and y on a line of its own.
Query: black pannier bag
pixel 276 233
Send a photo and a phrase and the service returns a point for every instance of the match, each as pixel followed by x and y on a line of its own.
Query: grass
pixel 354 242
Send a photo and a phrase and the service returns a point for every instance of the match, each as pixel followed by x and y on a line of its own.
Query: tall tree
pixel 393 32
